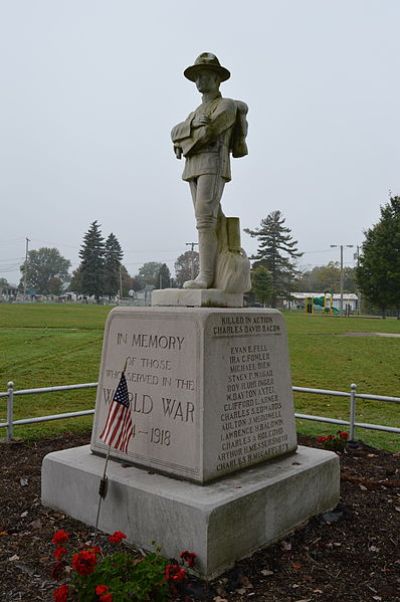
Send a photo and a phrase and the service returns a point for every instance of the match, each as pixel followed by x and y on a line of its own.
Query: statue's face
pixel 207 81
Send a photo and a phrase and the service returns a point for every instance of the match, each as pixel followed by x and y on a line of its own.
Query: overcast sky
pixel 91 88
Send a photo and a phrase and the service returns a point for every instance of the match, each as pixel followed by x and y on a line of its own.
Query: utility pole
pixel 341 274
pixel 192 245
pixel 120 280
pixel 27 241
pixel 357 258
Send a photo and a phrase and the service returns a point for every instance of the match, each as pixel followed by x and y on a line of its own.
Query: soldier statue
pixel 216 129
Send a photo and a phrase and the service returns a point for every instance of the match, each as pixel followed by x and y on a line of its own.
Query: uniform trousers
pixel 206 191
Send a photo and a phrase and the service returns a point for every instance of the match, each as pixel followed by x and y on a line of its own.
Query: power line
pixel 13 258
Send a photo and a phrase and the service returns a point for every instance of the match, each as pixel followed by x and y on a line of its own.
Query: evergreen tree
pixel 378 272
pixel 92 264
pixel 261 281
pixel 164 277
pixel 127 281
pixel 276 252
pixel 75 285
pixel 112 265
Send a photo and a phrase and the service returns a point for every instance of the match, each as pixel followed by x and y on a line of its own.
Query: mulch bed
pixel 352 554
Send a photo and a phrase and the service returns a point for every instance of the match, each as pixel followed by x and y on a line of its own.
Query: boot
pixel 207 253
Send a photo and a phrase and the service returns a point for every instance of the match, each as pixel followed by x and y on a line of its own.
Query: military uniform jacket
pixel 207 147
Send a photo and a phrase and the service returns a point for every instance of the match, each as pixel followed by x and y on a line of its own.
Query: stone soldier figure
pixel 206 138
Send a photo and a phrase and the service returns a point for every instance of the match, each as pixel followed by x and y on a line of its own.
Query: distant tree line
pixel 100 273
pixel 275 273
pixel 376 276
pixel 326 278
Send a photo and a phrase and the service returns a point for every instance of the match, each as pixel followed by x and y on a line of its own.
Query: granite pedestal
pixel 212 464
pixel 210 388
pixel 221 522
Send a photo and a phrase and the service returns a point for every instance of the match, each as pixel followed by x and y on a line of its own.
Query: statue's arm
pixel 181 133
pixel 183 129
pixel 221 119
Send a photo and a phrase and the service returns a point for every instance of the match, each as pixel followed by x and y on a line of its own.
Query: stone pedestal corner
pixel 221 522
pixel 210 297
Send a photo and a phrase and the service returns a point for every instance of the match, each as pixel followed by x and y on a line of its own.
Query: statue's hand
pixel 200 120
pixel 178 152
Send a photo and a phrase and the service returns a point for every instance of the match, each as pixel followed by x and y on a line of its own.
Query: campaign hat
pixel 206 60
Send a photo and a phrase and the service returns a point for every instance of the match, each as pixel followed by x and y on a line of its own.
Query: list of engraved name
pixel 252 427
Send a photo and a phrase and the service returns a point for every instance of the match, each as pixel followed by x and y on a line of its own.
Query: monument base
pixel 195 297
pixel 221 522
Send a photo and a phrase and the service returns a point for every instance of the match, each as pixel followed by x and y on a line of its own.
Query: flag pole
pixel 103 485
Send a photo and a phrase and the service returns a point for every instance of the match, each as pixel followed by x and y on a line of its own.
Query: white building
pixel 350 301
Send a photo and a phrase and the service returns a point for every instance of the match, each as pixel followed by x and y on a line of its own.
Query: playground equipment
pixel 325 302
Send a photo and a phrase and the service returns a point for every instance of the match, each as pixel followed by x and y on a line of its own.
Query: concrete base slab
pixel 192 297
pixel 221 522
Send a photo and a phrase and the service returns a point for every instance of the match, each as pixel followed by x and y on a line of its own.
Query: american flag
pixel 118 429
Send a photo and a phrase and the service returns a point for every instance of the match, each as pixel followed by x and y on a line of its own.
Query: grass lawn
pixel 44 345
pixel 326 353
pixel 48 345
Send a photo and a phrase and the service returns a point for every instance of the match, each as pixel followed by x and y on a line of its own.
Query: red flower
pixel 106 598
pixel 61 593
pixel 116 537
pixel 343 435
pixel 59 552
pixel 173 572
pixel 101 589
pixel 84 562
pixel 188 557
pixel 322 439
pixel 60 537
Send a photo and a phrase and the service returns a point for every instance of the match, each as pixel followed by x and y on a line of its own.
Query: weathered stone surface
pixel 177 297
pixel 222 522
pixel 207 138
pixel 210 388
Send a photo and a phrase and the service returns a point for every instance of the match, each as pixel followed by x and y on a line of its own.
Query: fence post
pixel 353 391
pixel 10 410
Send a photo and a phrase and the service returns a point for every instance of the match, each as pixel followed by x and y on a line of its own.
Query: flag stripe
pixel 118 428
pixel 110 419
pixel 125 435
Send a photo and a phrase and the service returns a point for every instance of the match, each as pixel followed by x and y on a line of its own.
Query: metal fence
pixel 351 423
pixel 11 393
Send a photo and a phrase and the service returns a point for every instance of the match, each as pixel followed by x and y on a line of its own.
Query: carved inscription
pixel 245 325
pixel 210 389
pixel 161 377
pixel 252 426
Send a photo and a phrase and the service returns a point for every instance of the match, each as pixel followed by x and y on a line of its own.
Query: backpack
pixel 238 141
